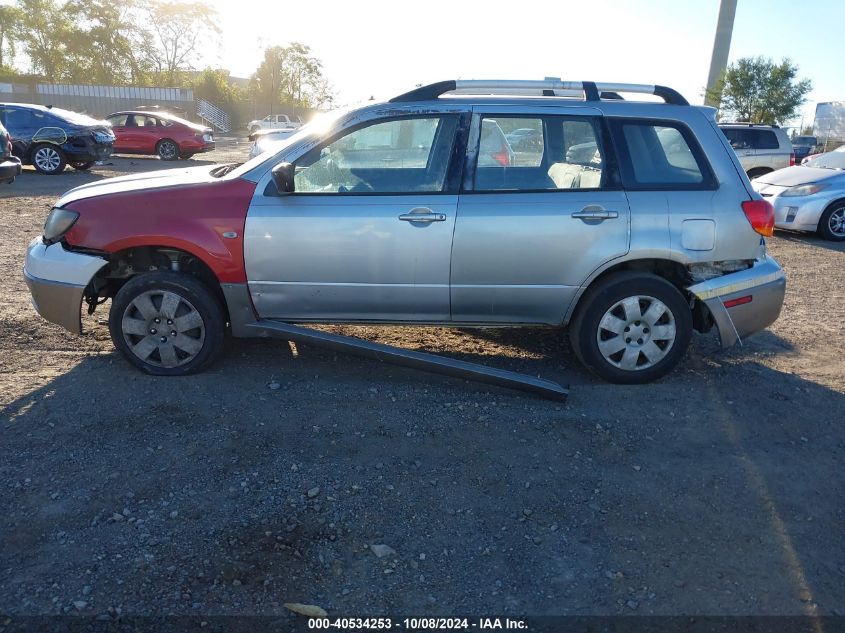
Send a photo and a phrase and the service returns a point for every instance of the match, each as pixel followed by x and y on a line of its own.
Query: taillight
pixel 761 216
pixel 792 159
pixel 503 158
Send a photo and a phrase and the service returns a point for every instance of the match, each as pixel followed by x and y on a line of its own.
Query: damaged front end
pixel 739 297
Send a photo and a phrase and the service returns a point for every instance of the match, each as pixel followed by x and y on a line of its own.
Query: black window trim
pixel 611 175
pixel 451 182
pixel 629 182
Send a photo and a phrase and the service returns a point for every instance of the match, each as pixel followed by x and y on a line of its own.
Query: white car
pixel 810 197
pixel 274 122
pixel 265 140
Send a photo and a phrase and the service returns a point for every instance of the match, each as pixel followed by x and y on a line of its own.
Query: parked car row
pixel 50 138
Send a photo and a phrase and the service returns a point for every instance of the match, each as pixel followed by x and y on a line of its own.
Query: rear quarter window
pixel 763 139
pixel 661 155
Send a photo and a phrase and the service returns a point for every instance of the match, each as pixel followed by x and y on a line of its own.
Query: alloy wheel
pixel 836 222
pixel 168 150
pixel 47 159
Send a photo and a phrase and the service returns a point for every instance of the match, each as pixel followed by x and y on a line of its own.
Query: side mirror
pixel 283 177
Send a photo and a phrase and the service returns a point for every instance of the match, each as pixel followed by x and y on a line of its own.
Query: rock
pixel 274 385
pixel 174 514
pixel 80 604
pixel 638 468
pixel 632 604
pixel 313 492
pixel 86 590
pixel 309 610
pixel 382 550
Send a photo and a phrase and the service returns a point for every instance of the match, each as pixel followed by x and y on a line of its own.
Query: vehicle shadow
pixel 809 238
pixel 715 491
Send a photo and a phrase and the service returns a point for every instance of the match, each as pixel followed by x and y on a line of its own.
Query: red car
pixel 159 133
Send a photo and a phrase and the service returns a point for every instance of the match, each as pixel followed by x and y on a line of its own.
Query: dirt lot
pixel 719 490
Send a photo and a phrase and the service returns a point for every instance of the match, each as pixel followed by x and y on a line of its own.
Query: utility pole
pixel 721 49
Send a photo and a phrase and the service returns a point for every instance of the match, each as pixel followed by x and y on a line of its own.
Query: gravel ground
pixel 290 474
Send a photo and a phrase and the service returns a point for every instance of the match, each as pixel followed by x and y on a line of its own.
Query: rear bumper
pixel 57 279
pixel 761 289
pixel 10 169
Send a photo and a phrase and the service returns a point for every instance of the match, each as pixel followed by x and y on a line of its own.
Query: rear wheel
pixel 167 150
pixel 167 324
pixel 632 328
pixel 832 222
pixel 48 159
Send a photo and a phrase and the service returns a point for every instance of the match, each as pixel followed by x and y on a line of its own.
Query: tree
pixel 104 47
pixel 178 30
pixel 43 30
pixel 293 76
pixel 9 18
pixel 213 85
pixel 757 90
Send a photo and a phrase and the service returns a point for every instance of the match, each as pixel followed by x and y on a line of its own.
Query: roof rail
pixel 592 91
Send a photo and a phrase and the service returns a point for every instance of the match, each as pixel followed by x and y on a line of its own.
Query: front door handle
pixel 422 214
pixel 593 213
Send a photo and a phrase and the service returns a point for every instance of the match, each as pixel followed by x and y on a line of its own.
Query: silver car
pixel 631 223
pixel 810 197
pixel 761 148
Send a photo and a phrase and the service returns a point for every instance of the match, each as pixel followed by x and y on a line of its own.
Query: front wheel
pixel 167 324
pixel 48 159
pixel 832 222
pixel 632 328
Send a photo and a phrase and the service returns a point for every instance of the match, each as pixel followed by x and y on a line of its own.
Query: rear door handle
pixel 422 214
pixel 595 214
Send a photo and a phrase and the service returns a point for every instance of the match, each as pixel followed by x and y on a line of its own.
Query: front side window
pixel 543 153
pixel 405 155
pixel 662 156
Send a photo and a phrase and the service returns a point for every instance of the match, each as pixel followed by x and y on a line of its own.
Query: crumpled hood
pixel 792 176
pixel 136 182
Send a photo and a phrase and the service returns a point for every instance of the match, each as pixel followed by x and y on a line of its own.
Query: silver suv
pixel 632 223
pixel 761 148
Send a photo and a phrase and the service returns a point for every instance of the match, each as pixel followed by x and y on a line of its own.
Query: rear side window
pixel 543 153
pixel 751 138
pixel 661 155
pixel 764 139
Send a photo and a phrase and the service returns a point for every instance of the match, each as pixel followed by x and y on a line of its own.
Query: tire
pixel 48 159
pixel 167 149
pixel 169 297
pixel 83 166
pixel 642 303
pixel 757 172
pixel 832 223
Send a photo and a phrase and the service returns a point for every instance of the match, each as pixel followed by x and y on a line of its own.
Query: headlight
pixel 58 223
pixel 803 190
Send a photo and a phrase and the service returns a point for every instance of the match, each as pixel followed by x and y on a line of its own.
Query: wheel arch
pixel 671 270
pixel 131 261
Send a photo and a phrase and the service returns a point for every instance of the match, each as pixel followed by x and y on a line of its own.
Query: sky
pixel 383 48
